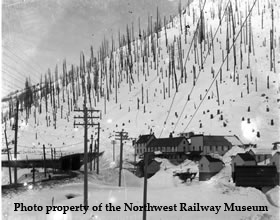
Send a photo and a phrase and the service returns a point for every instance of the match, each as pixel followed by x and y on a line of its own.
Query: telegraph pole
pixel 98 141
pixel 90 151
pixel 147 157
pixel 16 137
pixel 113 142
pixel 85 117
pixel 8 154
pixel 44 152
pixel 121 136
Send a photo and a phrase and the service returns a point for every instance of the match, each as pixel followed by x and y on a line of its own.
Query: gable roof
pixel 246 156
pixel 144 138
pixel 166 142
pixel 212 159
pixel 234 140
pixel 220 140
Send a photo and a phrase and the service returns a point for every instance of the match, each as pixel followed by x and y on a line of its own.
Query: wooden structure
pixel 68 162
pixel 152 167
pixel 255 176
pixel 208 167
pixel 217 144
pixel 275 161
pixel 261 155
pixel 142 142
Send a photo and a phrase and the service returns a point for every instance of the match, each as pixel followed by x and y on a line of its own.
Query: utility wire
pixel 173 98
pixel 221 65
pixel 200 69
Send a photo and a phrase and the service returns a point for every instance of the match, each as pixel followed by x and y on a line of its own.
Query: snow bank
pixel 165 164
pixel 163 179
pixel 187 165
pixel 130 180
pixel 273 196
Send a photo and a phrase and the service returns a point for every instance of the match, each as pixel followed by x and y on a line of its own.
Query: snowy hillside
pixel 242 112
pixel 152 80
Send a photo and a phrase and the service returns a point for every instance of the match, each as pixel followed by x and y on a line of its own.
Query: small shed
pixel 256 176
pixel 243 159
pixel 208 167
pixel 275 161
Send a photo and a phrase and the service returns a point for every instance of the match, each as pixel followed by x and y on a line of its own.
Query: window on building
pixel 199 148
pixel 193 148
pixel 216 148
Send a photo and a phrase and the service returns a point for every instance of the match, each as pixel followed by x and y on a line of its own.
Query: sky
pixel 38 34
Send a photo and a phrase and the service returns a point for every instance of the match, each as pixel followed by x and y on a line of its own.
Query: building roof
pixel 166 142
pixel 246 156
pixel 210 140
pixel 234 140
pixel 258 151
pixel 276 153
pixel 144 138
pixel 212 159
pixel 220 140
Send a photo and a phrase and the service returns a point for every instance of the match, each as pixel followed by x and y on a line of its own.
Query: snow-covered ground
pixel 163 188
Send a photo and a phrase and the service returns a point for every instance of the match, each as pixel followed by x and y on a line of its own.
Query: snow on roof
pixel 260 151
pixel 234 140
pixel 232 152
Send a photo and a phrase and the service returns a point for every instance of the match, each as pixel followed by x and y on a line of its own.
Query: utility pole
pixel 113 142
pixel 94 160
pixel 121 136
pixel 134 145
pixel 85 117
pixel 15 148
pixel 98 143
pixel 33 174
pixel 44 152
pixel 147 156
pixel 90 151
pixel 8 153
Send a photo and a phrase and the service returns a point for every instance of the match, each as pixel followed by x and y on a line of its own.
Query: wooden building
pixel 261 155
pixel 255 176
pixel 209 144
pixel 142 142
pixel 275 161
pixel 172 148
pixel 208 167
pixel 242 159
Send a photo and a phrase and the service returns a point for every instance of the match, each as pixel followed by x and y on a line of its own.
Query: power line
pixel 172 102
pixel 200 69
pixel 24 61
pixel 221 65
